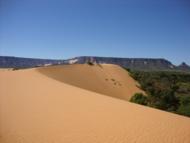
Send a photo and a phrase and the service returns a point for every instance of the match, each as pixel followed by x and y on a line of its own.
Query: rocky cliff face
pixel 131 63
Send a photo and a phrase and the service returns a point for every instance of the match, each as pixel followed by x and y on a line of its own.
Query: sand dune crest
pixel 106 79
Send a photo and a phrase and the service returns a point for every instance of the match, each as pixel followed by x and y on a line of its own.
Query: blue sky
pixel 121 28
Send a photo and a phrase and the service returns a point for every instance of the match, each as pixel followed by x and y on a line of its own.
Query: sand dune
pixel 35 108
pixel 107 79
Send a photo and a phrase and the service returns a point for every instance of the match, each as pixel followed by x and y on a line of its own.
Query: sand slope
pixel 107 79
pixel 37 109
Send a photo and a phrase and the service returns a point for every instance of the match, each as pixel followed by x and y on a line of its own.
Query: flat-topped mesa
pixel 132 63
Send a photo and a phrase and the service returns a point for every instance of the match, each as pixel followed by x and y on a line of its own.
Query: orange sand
pixel 35 108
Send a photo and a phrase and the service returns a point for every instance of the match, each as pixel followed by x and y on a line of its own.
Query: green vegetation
pixel 184 108
pixel 166 90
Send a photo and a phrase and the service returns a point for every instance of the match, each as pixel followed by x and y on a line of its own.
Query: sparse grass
pixel 14 69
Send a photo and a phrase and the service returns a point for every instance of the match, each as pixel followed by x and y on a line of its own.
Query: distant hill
pixel 146 64
pixel 183 67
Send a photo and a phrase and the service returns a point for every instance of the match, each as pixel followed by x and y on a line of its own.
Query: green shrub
pixel 139 98
pixel 90 63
